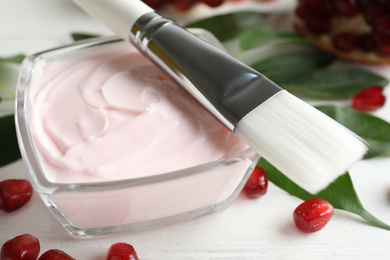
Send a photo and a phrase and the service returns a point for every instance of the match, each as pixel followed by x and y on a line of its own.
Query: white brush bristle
pixel 300 141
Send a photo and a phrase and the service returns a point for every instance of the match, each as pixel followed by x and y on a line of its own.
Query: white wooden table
pixel 249 229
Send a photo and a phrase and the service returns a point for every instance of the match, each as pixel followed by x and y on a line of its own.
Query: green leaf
pixel 16 59
pixel 9 149
pixel 336 82
pixel 341 193
pixel 82 36
pixel 9 73
pixel 292 63
pixel 4 88
pixel 228 26
pixel 372 129
pixel 258 37
pixel 280 180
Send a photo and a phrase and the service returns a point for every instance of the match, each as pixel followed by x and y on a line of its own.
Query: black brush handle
pixel 225 86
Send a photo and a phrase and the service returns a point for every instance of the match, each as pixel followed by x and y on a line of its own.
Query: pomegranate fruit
pixel 312 215
pixel 355 30
pixel 257 184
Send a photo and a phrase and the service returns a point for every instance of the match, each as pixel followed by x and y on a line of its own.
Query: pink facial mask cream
pixel 116 116
pixel 113 145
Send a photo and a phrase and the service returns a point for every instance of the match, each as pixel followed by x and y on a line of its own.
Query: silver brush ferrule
pixel 226 87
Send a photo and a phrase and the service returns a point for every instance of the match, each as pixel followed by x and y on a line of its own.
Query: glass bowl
pixel 97 208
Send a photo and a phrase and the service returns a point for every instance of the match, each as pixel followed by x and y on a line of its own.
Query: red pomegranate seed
pixel 257 184
pixel 368 42
pixel 183 5
pixel 318 23
pixel 212 3
pixel 381 1
pixel 23 247
pixel 14 194
pixel 346 41
pixel 346 8
pixel 154 3
pixel 362 3
pixel 383 46
pixel 121 251
pixel 381 25
pixel 312 215
pixel 316 6
pixel 369 99
pixel 331 7
pixel 55 254
pixel 301 11
pixel 372 11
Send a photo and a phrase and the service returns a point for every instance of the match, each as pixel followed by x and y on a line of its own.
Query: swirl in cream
pixel 113 115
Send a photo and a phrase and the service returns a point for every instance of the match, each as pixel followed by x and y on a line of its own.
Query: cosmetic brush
pixel 306 145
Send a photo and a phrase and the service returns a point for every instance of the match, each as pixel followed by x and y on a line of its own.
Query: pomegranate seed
pixel 301 11
pixel 372 11
pixel 318 23
pixel 362 3
pixel 154 3
pixel 257 184
pixel 121 251
pixel 23 247
pixel 369 99
pixel 383 46
pixel 14 194
pixel 312 215
pixel 381 1
pixel 183 5
pixel 313 6
pixel 346 41
pixel 368 42
pixel 331 7
pixel 212 3
pixel 381 25
pixel 346 8
pixel 55 254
